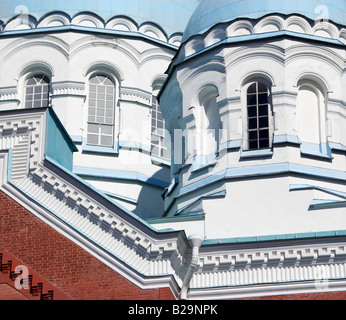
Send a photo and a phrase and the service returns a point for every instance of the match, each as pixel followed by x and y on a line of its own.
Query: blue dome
pixel 171 15
pixel 212 12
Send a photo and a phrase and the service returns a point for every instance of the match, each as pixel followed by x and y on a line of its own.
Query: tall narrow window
pixel 37 92
pixel 258 116
pixel 101 111
pixel 158 133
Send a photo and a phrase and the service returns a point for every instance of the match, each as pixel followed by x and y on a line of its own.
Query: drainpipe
pixel 195 241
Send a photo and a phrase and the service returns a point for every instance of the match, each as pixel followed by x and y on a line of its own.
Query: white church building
pixel 198 145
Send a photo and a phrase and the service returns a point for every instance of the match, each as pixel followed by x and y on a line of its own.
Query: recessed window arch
pixel 258 115
pixel 37 91
pixel 311 111
pixel 208 121
pixel 101 110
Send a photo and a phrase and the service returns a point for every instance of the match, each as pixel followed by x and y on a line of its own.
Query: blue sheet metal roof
pixel 171 15
pixel 212 12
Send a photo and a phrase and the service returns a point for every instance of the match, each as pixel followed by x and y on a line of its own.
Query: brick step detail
pixel 30 284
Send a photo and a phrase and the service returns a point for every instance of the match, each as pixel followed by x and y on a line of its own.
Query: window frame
pixel 156 117
pixel 258 127
pixel 44 102
pixel 101 125
pixel 246 148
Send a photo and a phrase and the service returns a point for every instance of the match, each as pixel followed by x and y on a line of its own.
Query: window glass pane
pixel 44 80
pixel 102 89
pixel 263 122
pixel 253 144
pixel 28 104
pixel 29 90
pixel 110 90
pixel 37 104
pixel 110 105
pixel 252 111
pixel 93 128
pixel 252 88
pixel 155 150
pixel 109 120
pixel 107 130
pixel 31 81
pixel 253 123
pixel 92 139
pixel 262 98
pixel 101 104
pixel 264 144
pixel 108 82
pixel 264 134
pixel 106 141
pixel 253 135
pixel 92 88
pixel 92 103
pixel 160 124
pixel 262 87
pixel 251 99
pixel 100 112
pixel 109 113
pixel 263 110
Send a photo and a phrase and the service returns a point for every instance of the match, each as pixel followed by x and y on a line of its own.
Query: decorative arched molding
pixel 153 31
pixel 176 39
pixel 205 64
pixel 215 35
pixel 241 27
pixel 86 19
pixel 324 55
pixel 54 20
pixel 106 67
pixel 122 23
pixel 48 41
pixel 21 22
pixel 194 45
pixel 312 77
pixel 342 36
pixel 298 24
pixel 269 24
pixel 91 42
pixel 158 81
pixel 326 29
pixel 257 76
pixel 36 66
pixel 271 52
pixel 206 91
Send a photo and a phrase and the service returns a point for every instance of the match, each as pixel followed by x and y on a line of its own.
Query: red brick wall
pixel 67 266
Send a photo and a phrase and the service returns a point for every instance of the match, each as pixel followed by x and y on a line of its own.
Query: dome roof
pixel 211 12
pixel 171 15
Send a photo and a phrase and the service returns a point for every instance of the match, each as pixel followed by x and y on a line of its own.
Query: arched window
pixel 101 109
pixel 37 90
pixel 258 127
pixel 158 132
